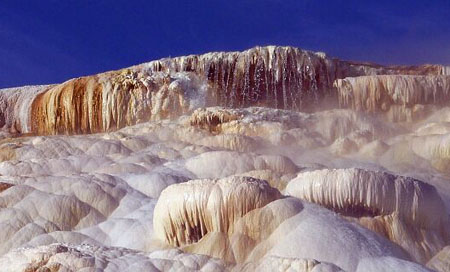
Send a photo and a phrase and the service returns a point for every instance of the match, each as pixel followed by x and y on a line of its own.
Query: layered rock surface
pixel 277 77
pixel 400 97
pixel 269 159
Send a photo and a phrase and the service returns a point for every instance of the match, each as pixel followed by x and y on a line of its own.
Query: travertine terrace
pixel 271 159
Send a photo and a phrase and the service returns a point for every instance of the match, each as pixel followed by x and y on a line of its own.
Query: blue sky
pixel 44 41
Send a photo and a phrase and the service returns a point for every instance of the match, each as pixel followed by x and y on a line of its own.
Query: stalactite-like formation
pixel 188 211
pixel 403 209
pixel 113 100
pixel 276 77
pixel 15 107
pixel 279 77
pixel 398 95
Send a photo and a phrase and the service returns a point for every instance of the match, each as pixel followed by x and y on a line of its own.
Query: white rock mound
pixel 400 208
pixel 225 163
pixel 272 263
pixel 244 221
pixel 441 261
pixel 84 258
pixel 186 212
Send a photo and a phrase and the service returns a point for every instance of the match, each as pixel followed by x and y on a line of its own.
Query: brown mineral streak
pixel 70 108
pixel 4 186
pixel 277 77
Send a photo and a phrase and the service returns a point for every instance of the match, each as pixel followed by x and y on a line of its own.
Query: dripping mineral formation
pixel 271 159
pixel 276 77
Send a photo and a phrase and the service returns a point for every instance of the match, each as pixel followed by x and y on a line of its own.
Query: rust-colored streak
pixel 278 77
pixel 73 107
pixel 37 115
pixel 4 186
pixel 94 106
pixel 105 102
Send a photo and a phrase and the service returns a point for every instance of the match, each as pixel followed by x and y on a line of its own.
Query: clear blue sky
pixel 44 41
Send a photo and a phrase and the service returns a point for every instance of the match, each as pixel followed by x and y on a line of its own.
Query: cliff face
pixel 277 77
pixel 390 93
pixel 15 105
pixel 113 100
